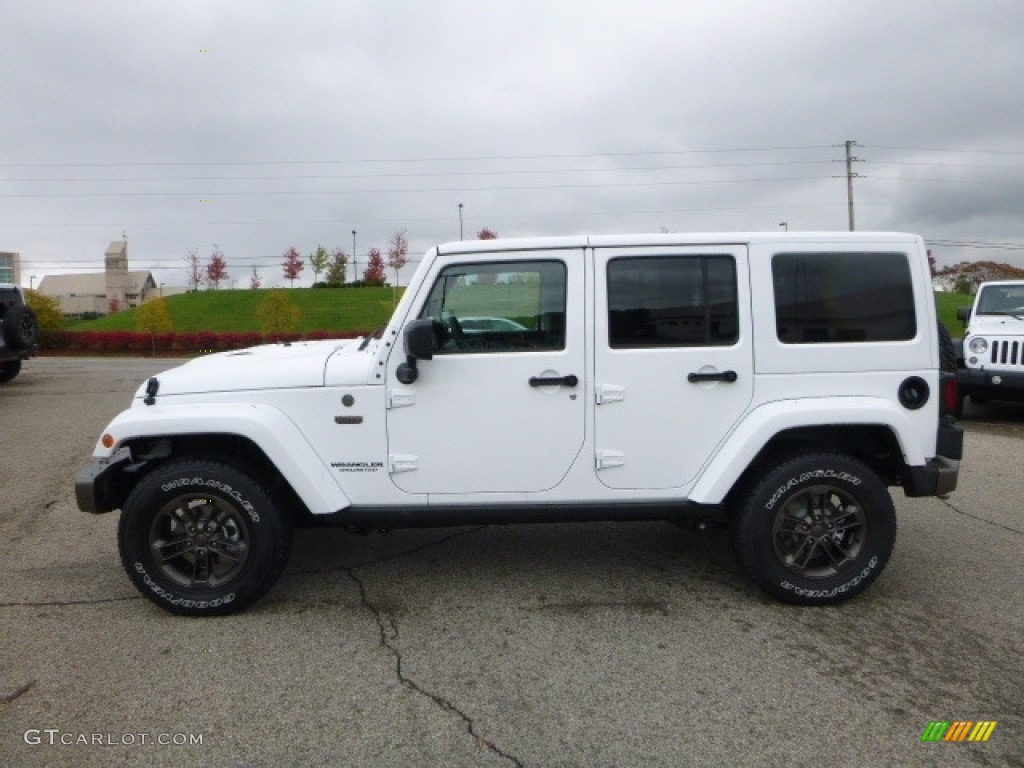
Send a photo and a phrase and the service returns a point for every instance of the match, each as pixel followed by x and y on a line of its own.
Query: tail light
pixel 947 383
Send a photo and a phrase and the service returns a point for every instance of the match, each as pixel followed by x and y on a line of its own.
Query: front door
pixel 673 360
pixel 500 407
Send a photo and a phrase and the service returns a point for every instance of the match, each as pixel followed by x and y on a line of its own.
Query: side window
pixel 672 301
pixel 843 297
pixel 500 307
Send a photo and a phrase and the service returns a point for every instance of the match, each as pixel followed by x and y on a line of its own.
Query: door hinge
pixel 606 459
pixel 610 393
pixel 398 398
pixel 402 462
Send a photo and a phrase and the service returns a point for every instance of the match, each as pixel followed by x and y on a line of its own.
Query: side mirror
pixel 421 339
pixel 964 314
pixel 421 342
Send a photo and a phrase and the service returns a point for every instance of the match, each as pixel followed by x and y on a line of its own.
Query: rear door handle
pixel 554 381
pixel 729 376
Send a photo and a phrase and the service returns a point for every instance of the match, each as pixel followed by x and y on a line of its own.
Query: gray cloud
pixel 257 126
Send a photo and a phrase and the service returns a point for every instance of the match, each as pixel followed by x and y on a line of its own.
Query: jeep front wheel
pixel 816 530
pixel 201 538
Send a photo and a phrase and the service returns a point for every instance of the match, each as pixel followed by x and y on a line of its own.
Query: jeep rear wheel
pixel 200 538
pixel 816 530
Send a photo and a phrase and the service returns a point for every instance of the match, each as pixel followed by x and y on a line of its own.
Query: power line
pixel 482 158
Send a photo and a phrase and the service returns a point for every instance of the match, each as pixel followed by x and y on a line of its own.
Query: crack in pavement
pixel 959 511
pixel 7 699
pixel 388 635
pixel 346 568
pixel 44 604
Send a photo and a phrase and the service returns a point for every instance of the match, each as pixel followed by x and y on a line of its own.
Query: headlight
pixel 978 345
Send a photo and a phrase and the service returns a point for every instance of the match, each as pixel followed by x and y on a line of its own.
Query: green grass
pixel 947 304
pixel 340 309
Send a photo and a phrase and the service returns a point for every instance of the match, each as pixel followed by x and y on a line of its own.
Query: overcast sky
pixel 257 125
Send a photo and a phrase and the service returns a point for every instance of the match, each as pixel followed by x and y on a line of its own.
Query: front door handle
pixel 554 381
pixel 729 376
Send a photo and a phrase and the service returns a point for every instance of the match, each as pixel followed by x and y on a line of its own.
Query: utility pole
pixel 850 176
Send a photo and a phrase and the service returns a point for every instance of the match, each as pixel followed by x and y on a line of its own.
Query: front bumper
pixel 99 487
pixel 992 385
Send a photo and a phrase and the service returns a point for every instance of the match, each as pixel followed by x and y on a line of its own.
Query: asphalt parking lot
pixel 562 645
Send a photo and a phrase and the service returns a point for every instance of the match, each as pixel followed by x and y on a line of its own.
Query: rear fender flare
pixel 765 422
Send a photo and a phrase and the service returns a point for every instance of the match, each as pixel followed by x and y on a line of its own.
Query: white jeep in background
pixel 773 383
pixel 993 344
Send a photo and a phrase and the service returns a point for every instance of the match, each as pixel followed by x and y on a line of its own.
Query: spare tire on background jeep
pixel 18 332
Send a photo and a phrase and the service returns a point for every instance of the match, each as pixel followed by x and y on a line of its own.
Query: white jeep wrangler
pixel 774 383
pixel 993 344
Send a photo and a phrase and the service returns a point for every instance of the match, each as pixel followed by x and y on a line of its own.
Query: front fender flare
pixel 267 427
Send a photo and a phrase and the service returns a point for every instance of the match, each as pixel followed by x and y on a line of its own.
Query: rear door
pixel 673 360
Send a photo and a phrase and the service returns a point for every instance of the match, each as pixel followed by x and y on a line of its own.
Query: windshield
pixel 1001 300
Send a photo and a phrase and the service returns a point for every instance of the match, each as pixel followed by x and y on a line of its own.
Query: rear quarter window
pixel 843 297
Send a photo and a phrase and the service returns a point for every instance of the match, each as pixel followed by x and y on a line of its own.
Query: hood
pixel 1002 325
pixel 271 366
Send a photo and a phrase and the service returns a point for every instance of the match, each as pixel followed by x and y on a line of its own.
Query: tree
pixel 486 234
pixel 47 309
pixel 256 281
pixel 931 262
pixel 153 318
pixel 195 271
pixel 374 273
pixel 318 260
pixel 398 252
pixel 337 268
pixel 277 314
pixel 216 268
pixel 293 264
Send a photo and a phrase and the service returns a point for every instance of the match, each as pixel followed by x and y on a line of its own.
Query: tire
pixel 947 350
pixel 9 369
pixel 20 327
pixel 816 530
pixel 186 570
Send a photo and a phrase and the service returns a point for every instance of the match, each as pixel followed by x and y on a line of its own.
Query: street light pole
pixel 355 263
pixel 784 225
pixel 460 221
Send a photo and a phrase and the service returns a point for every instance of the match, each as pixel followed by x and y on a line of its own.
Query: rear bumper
pixel 936 478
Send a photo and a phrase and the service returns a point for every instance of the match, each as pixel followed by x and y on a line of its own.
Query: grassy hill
pixel 235 311
pixel 334 310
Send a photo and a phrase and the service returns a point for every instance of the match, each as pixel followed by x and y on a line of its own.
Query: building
pixel 112 290
pixel 10 268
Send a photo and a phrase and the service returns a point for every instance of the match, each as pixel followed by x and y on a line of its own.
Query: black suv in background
pixel 17 331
